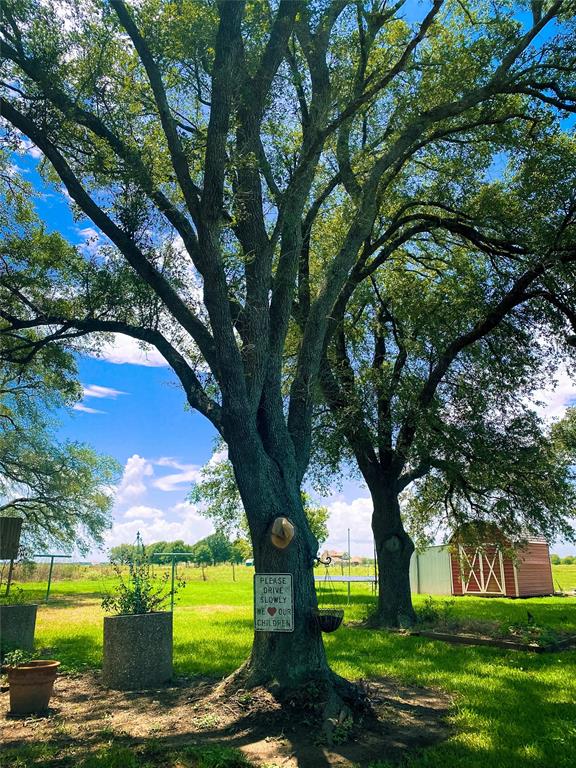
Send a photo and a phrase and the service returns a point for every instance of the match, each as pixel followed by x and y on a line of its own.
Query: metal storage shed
pixel 489 568
pixel 486 568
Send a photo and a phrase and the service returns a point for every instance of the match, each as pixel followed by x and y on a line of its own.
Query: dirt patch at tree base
pixel 84 715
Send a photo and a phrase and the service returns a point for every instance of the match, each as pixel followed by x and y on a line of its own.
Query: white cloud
pixel 95 390
pixel 66 194
pixel 187 474
pixel 91 240
pixel 85 408
pixel 120 349
pixel 132 485
pixel 218 457
pixel 187 525
pixel 557 397
pixel 356 515
pixel 31 149
pixel 142 512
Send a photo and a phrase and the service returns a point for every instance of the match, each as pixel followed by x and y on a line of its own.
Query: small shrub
pixel 531 632
pixel 140 591
pixel 427 613
pixel 16 596
pixel 17 656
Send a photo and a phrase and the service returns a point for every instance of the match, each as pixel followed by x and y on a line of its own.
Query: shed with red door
pixel 495 566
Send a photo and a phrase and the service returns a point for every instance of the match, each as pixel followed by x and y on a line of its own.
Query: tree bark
pixel 280 660
pixel 394 549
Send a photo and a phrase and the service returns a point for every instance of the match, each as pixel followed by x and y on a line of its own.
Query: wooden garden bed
pixel 464 639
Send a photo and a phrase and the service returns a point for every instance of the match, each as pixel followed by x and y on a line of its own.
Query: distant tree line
pixel 212 550
pixel 568 560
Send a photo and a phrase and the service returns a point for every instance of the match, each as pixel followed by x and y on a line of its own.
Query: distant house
pixel 336 557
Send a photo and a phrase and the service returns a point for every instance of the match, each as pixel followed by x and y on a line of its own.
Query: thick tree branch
pixel 177 154
pixel 515 296
pixel 123 242
pixel 196 395
pixel 71 109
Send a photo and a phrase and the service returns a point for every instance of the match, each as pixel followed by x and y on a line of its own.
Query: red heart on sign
pixel 272 611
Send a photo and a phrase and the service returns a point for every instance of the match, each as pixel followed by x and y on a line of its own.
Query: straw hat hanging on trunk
pixel 282 532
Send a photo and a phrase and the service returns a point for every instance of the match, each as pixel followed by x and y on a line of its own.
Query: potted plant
pixel 17 622
pixel 31 682
pixel 138 638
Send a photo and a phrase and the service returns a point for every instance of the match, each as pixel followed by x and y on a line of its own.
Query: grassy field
pixel 511 709
pixel 564 577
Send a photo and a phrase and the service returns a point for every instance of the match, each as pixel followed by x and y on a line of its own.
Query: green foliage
pixel 215 757
pixel 202 554
pixel 219 500
pixel 140 590
pixel 240 551
pixel 437 612
pixel 555 559
pixel 215 548
pixel 16 596
pixel 61 489
pixel 16 657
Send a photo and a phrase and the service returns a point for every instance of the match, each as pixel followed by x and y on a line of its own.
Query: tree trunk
pixel 394 548
pixel 282 659
pixel 286 662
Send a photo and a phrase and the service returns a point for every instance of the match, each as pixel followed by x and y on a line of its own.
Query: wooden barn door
pixel 482 571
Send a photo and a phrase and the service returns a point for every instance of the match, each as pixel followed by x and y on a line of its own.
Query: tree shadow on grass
pixel 517 702
pixel 216 655
pixel 77 652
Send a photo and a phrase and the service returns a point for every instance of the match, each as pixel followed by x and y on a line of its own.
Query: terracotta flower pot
pixel 31 686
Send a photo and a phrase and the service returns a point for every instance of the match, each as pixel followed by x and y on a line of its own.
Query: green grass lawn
pixel 510 709
pixel 564 577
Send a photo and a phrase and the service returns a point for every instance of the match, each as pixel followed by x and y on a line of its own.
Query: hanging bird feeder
pixel 328 616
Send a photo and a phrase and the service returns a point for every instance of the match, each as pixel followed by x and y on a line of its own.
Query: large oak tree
pixel 203 140
pixel 434 362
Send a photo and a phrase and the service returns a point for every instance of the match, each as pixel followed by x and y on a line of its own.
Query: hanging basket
pixel 328 619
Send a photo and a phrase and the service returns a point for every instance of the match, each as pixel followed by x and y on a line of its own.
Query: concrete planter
pixel 17 625
pixel 137 651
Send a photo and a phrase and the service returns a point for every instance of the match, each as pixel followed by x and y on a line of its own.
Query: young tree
pixel 203 140
pixel 202 556
pixel 122 554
